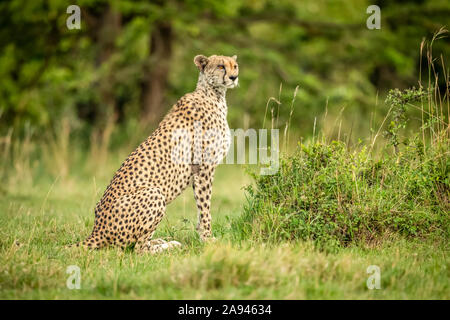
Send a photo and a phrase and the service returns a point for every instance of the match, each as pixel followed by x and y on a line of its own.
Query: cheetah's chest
pixel 221 133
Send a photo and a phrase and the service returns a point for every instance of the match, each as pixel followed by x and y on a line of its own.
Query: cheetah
pixel 185 149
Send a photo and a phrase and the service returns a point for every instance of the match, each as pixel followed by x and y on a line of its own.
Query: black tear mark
pixel 225 73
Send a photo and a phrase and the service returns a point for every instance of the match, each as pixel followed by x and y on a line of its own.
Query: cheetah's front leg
pixel 202 185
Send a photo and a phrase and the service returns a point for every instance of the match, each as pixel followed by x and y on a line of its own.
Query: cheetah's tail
pixel 89 243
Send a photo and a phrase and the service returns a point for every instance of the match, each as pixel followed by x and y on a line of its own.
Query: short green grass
pixel 50 188
pixel 38 220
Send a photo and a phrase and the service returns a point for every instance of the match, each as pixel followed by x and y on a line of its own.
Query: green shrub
pixel 333 194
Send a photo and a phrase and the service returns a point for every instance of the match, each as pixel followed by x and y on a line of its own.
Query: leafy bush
pixel 333 194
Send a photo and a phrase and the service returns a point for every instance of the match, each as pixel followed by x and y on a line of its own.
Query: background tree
pixel 132 59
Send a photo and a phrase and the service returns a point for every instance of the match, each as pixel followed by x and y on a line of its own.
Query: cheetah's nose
pixel 233 78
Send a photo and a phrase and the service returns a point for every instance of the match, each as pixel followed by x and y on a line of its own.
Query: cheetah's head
pixel 218 71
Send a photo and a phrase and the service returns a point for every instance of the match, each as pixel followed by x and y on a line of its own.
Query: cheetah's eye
pixel 221 66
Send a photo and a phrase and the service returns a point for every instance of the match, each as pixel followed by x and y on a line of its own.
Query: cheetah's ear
pixel 234 57
pixel 201 61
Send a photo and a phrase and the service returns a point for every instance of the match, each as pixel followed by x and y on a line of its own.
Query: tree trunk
pixel 103 26
pixel 108 32
pixel 155 74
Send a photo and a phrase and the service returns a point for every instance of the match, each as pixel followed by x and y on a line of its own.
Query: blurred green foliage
pixel 130 52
